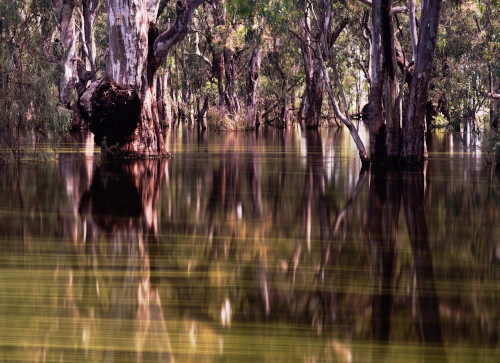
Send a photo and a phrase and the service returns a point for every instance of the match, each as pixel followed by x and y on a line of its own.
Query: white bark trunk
pixel 68 40
pixel 128 26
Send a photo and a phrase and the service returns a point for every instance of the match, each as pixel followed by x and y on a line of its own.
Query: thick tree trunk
pixel 413 128
pixel 252 88
pixel 124 113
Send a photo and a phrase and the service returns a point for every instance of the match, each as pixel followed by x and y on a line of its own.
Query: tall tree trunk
pixel 413 128
pixel 69 38
pixel 391 99
pixel 230 94
pixel 124 114
pixel 313 94
pixel 252 88
pixel 375 118
pixel 89 16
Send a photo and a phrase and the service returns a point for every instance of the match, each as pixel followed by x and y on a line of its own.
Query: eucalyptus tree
pixel 121 107
pixel 386 92
pixel 316 47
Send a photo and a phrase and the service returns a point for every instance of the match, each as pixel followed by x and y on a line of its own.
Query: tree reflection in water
pixel 240 247
pixel 388 186
pixel 122 203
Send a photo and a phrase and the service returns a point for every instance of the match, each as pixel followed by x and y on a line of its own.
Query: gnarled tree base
pixel 123 125
pixel 116 113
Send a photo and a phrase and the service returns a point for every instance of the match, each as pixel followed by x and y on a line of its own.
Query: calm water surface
pixel 268 246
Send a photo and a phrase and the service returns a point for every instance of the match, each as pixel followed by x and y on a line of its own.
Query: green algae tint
pixel 269 247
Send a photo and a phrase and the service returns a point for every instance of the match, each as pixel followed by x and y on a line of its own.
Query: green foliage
pixel 28 72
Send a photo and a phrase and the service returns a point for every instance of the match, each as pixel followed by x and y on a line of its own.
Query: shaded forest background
pixel 247 63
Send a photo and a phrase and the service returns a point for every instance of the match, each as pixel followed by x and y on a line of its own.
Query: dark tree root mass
pixel 116 113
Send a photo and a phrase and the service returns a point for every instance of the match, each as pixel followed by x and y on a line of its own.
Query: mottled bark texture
pixel 252 88
pixel 135 53
pixel 68 40
pixel 385 93
pixel 413 127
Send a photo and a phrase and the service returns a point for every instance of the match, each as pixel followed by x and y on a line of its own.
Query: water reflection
pixel 249 247
pixel 388 186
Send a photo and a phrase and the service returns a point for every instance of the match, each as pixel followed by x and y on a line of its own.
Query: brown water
pixel 268 246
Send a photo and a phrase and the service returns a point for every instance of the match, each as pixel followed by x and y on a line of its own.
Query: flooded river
pixel 269 246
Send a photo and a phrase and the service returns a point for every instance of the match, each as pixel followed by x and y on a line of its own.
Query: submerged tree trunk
pixel 123 112
pixel 313 95
pixel 375 117
pixel 252 88
pixel 413 128
pixel 391 99
pixel 384 95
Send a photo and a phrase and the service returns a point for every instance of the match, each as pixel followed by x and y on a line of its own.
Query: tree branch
pixel 165 41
